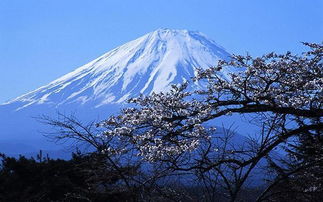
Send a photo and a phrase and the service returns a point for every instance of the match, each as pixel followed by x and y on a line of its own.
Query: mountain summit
pixel 151 63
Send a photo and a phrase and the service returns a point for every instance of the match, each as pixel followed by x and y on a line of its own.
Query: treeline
pixel 88 177
pixel 44 179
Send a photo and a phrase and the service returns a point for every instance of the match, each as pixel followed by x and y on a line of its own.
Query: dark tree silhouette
pixel 83 178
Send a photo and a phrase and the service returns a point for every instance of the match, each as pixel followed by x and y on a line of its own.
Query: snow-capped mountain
pixel 148 64
pixel 151 63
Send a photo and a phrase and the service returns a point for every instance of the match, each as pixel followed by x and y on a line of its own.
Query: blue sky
pixel 41 40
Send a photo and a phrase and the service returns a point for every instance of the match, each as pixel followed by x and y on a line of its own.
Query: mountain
pixel 151 63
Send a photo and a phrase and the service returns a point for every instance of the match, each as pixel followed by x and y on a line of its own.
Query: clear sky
pixel 41 40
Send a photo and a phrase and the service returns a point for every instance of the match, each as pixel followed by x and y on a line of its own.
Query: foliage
pixel 300 176
pixel 80 179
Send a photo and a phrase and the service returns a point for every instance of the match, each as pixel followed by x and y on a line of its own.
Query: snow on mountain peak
pixel 151 63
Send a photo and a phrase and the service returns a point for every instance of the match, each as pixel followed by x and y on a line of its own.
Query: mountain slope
pixel 148 64
pixel 151 63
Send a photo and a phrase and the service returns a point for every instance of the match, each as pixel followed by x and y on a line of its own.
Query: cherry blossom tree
pixel 281 92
